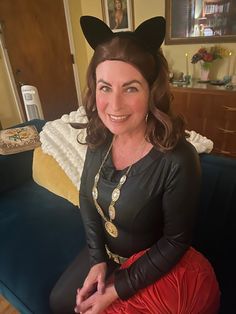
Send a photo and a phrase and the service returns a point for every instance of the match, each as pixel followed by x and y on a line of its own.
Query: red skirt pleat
pixel 190 287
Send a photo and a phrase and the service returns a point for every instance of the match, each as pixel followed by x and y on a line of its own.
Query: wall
pixel 175 55
pixel 83 50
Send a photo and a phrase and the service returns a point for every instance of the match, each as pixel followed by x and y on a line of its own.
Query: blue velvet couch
pixel 40 233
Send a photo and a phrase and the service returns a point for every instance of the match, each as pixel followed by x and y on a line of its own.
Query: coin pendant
pixel 111 229
pixel 123 179
pixel 112 212
pixel 115 195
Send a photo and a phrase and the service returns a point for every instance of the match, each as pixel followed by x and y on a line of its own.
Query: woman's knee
pixel 60 302
pixel 63 296
pixel 54 300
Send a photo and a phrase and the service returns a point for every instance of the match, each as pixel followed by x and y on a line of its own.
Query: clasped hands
pixel 96 294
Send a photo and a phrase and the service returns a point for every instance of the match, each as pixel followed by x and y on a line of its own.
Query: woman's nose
pixel 116 101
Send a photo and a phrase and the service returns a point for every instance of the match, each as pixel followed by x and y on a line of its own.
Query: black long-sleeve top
pixel 156 210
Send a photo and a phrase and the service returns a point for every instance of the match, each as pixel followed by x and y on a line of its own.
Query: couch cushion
pixel 40 234
pixel 48 173
pixel 215 230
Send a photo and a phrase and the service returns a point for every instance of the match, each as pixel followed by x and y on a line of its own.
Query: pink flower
pixel 207 57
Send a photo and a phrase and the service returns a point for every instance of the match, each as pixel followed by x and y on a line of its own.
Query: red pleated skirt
pixel 190 287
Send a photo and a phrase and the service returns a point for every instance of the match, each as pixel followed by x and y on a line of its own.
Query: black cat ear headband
pixel 150 33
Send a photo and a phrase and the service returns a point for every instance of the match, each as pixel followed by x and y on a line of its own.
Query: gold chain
pixel 109 225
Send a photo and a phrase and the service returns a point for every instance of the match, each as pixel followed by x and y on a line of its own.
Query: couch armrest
pixel 215 229
pixel 17 168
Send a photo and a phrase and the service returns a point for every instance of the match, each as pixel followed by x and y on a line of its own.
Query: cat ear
pixel 152 32
pixel 95 30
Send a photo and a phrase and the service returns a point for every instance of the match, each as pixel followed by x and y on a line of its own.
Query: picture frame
pixel 118 14
pixel 200 21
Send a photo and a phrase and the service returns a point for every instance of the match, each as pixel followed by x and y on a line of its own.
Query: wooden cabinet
pixel 210 112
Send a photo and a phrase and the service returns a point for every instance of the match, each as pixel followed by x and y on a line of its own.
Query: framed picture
pixel 200 21
pixel 118 14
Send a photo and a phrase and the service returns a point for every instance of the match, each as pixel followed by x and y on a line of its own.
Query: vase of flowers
pixel 205 70
pixel 206 56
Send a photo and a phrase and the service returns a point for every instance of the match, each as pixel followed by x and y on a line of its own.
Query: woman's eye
pixel 131 89
pixel 105 89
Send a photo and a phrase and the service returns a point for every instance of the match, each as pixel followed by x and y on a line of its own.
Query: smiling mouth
pixel 118 118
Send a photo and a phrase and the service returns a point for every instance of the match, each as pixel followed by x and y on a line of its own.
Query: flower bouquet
pixel 208 55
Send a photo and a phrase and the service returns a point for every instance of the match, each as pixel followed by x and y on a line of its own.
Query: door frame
pixel 72 50
pixel 10 75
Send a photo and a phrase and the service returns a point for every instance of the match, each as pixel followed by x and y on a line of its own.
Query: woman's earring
pixel 146 118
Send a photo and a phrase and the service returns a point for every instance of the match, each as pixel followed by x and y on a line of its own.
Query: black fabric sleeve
pixel 91 218
pixel 179 201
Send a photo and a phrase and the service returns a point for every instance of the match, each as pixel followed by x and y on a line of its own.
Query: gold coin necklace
pixel 109 225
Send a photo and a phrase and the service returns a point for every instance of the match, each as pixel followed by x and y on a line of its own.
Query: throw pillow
pixel 20 139
pixel 48 173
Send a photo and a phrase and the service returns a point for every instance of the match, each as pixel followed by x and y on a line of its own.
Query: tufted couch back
pixel 215 232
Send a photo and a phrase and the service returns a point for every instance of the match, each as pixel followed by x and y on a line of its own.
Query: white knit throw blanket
pixel 59 140
pixel 201 143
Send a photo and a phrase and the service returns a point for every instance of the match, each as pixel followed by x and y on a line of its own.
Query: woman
pixel 118 17
pixel 139 188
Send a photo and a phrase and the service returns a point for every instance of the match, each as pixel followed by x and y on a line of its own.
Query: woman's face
pixel 122 95
pixel 118 4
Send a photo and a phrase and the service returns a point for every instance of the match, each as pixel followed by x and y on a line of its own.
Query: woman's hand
pixel 97 302
pixel 95 280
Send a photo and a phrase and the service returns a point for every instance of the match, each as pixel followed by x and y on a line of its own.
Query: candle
pixel 186 60
pixel 229 63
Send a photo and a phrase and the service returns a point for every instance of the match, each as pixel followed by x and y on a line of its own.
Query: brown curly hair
pixel 163 128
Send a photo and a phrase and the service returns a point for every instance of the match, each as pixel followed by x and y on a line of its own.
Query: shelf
pixel 215 14
pixel 204 88
pixel 218 8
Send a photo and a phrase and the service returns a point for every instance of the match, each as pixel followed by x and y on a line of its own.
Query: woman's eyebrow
pixel 132 82
pixel 124 85
pixel 104 82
